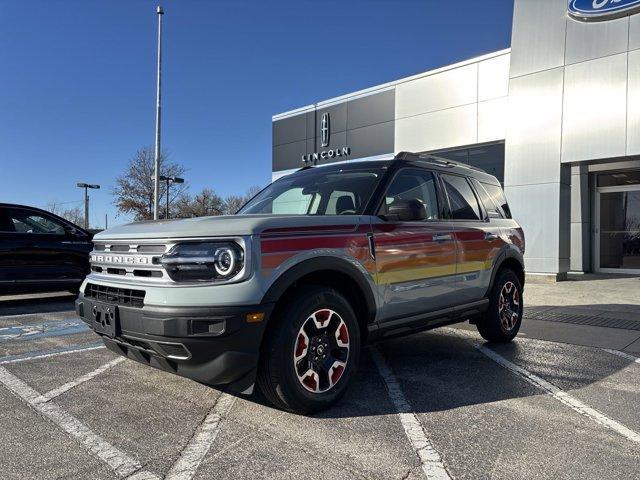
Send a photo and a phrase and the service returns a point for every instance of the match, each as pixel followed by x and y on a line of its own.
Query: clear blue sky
pixel 77 80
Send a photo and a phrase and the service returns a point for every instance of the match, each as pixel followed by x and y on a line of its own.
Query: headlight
pixel 203 262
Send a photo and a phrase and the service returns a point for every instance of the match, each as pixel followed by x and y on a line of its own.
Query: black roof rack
pixel 429 158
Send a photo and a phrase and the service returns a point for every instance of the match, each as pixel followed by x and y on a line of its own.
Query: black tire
pixel 277 377
pixel 492 326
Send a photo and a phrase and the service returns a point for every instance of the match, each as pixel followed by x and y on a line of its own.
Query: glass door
pixel 618 229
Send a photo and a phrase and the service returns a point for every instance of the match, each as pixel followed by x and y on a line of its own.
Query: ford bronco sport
pixel 285 293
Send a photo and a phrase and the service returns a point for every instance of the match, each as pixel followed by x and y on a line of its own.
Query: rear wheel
pixel 502 321
pixel 311 351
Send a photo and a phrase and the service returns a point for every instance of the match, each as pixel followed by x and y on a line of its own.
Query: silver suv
pixel 285 293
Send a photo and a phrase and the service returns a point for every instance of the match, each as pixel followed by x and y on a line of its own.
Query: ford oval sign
pixel 595 10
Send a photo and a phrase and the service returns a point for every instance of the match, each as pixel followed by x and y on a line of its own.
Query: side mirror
pixel 406 211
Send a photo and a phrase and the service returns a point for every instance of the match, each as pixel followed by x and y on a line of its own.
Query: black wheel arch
pixel 346 278
pixel 512 260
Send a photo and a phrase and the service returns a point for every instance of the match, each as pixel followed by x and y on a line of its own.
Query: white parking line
pixel 47 354
pixel 432 464
pixel 623 355
pixel 561 395
pixel 118 461
pixel 56 392
pixel 192 455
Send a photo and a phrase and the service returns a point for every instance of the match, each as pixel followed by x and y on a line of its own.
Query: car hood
pixel 222 226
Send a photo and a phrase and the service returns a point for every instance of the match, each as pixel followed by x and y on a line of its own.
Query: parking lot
pixel 441 404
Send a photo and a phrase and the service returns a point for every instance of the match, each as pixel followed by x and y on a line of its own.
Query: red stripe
pixel 308 243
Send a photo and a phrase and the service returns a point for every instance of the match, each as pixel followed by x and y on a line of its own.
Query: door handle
pixel 442 238
pixel 490 236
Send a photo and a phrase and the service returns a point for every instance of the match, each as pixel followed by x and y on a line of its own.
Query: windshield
pixel 317 192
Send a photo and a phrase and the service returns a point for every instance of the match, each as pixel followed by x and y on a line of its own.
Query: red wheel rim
pixel 321 351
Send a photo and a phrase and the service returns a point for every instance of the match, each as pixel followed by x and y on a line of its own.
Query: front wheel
pixel 502 321
pixel 311 351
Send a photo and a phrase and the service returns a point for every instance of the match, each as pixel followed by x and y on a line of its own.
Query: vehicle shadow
pixel 10 305
pixel 442 370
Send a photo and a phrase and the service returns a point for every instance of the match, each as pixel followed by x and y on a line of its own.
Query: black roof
pixel 416 159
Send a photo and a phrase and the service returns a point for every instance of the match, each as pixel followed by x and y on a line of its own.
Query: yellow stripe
pixel 422 273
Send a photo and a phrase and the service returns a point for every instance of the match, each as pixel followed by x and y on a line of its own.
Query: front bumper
pixel 212 345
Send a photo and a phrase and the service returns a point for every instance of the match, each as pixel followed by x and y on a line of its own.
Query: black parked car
pixel 40 251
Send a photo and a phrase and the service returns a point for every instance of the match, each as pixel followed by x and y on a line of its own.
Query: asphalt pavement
pixel 441 404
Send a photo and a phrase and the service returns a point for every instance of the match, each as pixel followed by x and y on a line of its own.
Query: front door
pixel 415 261
pixel 617 229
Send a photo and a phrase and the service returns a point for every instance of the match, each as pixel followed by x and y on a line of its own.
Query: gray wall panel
pixel 589 40
pixel 534 129
pixel 373 140
pixel 633 105
pixel 289 130
pixel 436 130
pixel 493 78
pixel 285 157
pixel 337 116
pixel 634 32
pixel 594 118
pixel 371 109
pixel 538 38
pixel 492 119
pixel 447 89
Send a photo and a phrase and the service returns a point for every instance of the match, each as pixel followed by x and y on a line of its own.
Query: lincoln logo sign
pixel 597 10
pixel 325 136
pixel 324 129
pixel 121 259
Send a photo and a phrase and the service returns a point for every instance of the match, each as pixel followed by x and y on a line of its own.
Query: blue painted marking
pixel 43 330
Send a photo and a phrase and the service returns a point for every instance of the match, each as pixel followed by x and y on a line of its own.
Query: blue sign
pixel 594 10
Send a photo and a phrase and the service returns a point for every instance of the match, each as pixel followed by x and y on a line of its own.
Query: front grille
pixel 120 296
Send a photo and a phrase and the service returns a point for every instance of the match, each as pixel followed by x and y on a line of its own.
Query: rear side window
pixel 463 202
pixel 27 221
pixel 489 205
pixel 497 195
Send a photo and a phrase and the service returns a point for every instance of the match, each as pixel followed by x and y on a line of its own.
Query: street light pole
pixel 169 181
pixel 156 186
pixel 86 187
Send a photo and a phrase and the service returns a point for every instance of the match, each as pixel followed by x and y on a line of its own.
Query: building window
pixel 489 158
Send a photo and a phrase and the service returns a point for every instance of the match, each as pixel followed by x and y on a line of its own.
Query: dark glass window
pixel 497 195
pixel 28 221
pixel 463 202
pixel 412 184
pixel 489 158
pixel 493 211
pixel 619 178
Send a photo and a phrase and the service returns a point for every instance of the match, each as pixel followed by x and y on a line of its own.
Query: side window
pixel 413 184
pixel 497 195
pixel 463 202
pixel 489 205
pixel 28 221
pixel 6 225
pixel 292 201
pixel 341 203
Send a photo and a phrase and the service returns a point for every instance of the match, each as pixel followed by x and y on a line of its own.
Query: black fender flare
pixel 312 265
pixel 507 254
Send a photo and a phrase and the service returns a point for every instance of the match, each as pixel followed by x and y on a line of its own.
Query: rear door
pixel 478 240
pixel 415 261
pixel 8 247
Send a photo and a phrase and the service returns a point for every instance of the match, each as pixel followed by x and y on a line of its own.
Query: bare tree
pixel 134 188
pixel 75 214
pixel 205 203
pixel 233 203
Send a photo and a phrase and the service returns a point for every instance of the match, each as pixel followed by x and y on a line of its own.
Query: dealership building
pixel 556 118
